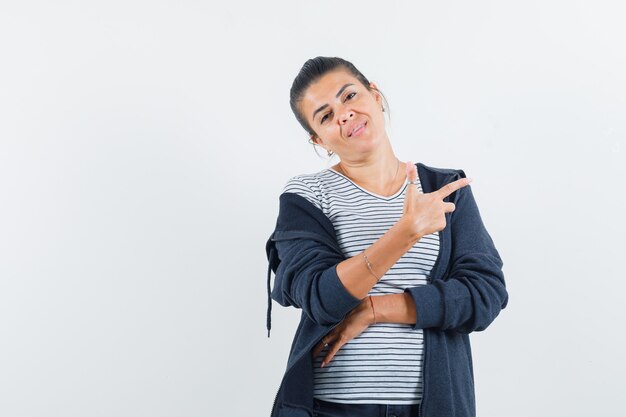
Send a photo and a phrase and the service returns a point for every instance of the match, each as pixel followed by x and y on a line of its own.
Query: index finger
pixel 448 189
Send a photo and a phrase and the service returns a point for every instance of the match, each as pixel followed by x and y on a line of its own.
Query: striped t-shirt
pixel 384 363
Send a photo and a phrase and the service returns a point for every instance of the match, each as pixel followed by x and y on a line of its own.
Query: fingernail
pixel 469 180
pixel 322 365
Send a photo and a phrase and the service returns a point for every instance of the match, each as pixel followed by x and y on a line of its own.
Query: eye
pixel 348 97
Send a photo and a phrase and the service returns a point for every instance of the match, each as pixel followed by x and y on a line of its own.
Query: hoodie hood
pixel 297 218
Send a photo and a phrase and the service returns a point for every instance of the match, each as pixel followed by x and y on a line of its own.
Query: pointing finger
pixel 448 189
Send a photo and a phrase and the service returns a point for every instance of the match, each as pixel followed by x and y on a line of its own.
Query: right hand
pixel 424 214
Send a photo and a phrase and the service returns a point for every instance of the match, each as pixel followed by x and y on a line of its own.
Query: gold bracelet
pixel 369 266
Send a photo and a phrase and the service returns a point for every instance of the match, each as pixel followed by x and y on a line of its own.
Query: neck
pixel 381 172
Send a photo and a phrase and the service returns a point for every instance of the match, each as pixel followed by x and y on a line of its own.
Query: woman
pixel 389 262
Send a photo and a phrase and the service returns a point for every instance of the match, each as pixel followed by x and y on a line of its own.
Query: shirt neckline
pixel 382 197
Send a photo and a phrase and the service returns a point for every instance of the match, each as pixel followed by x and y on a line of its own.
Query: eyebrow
pixel 337 95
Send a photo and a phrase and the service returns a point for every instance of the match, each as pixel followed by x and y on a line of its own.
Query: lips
pixel 356 127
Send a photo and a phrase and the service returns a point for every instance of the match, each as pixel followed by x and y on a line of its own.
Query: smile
pixel 358 130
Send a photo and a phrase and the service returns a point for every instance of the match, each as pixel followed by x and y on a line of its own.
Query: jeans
pixel 323 408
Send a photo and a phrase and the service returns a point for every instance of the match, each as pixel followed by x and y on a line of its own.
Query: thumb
pixel 411 174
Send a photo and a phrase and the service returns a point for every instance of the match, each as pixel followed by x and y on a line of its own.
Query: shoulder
pixel 439 170
pixel 433 178
pixel 307 186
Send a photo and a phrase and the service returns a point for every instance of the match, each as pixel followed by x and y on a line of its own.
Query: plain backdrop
pixel 144 144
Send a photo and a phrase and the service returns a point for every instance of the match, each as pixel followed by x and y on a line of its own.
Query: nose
pixel 345 116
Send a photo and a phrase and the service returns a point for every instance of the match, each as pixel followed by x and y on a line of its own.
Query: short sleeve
pixel 302 186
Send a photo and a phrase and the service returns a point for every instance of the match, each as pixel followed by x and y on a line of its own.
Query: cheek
pixel 329 127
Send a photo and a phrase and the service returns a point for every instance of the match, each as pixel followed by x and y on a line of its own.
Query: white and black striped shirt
pixel 384 363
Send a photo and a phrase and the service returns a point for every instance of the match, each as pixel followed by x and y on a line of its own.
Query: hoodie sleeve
pixel 473 293
pixel 304 254
pixel 307 278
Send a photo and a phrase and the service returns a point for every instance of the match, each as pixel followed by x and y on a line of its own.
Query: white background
pixel 143 146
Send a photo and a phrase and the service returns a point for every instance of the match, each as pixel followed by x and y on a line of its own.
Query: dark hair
pixel 313 70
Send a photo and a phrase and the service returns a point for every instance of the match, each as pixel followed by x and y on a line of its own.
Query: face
pixel 347 117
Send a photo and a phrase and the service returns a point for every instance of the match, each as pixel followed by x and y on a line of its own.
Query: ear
pixel 316 140
pixel 376 93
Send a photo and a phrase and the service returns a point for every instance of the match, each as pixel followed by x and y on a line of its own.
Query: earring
pixel 330 153
pixel 383 108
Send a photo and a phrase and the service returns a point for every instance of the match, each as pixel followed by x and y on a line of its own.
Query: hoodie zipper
pixel 276 397
pixel 424 366
pixel 421 406
pixel 295 361
pixel 429 280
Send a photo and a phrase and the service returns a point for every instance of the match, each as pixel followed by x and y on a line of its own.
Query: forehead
pixel 323 91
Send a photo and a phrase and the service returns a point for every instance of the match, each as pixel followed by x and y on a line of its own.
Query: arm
pixel 473 293
pixel 306 278
pixel 382 255
pixel 394 308
pixel 327 286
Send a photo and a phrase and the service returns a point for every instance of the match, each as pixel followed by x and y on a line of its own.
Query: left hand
pixel 355 322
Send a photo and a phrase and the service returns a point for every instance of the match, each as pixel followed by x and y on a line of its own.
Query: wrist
pixel 367 312
pixel 406 232
pixel 394 308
